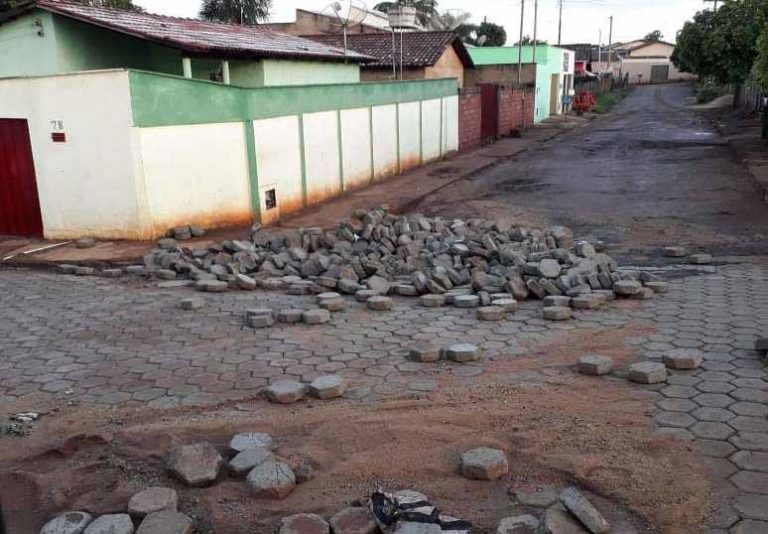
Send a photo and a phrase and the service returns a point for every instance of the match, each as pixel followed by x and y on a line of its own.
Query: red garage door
pixel 19 203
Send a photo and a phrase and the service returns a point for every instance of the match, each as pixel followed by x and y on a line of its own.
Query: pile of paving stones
pixel 646 372
pixel 470 264
pixel 567 511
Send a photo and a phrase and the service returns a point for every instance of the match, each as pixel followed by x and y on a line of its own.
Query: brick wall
pixel 516 109
pixel 470 115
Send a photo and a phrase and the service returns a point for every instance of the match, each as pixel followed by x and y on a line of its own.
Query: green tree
pixel 450 20
pixel 495 35
pixel 654 36
pixel 426 10
pixel 249 12
pixel 528 41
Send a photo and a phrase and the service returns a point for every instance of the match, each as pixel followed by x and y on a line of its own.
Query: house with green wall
pixel 554 72
pixel 49 37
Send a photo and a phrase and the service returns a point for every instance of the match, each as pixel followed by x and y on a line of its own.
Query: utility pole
pixel 610 45
pixel 520 47
pixel 560 25
pixel 535 27
pixel 715 1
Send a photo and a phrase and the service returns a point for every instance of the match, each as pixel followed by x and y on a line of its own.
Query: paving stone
pixel 192 304
pixel 749 424
pixel 556 313
pixel 333 305
pixel 586 302
pixel 597 365
pixel 751 461
pixel 710 430
pixel 271 479
pixel 715 448
pixel 111 524
pixel 717 415
pixel 749 526
pixel 491 313
pixel 364 294
pixel 700 259
pixel 466 301
pixel 647 373
pixel 539 497
pixel 509 304
pixel 627 288
pixel 290 316
pixel 715 387
pixel 677 405
pixel 519 524
pixel 751 481
pixel 714 400
pixel 211 286
pixel 315 317
pixel 557 520
pixel 657 287
pixel 285 391
pixel 750 395
pixel 261 321
pixel 462 353
pixel 675 252
pixel 751 441
pixel 719 468
pixel 305 524
pixel 484 464
pixel 412 527
pixel 752 506
pixel 379 303
pixel 426 354
pixel 354 520
pixel 679 392
pixel 432 301
pixel 67 523
pixel 245 461
pixel 683 359
pixel 675 419
pixel 580 506
pixel 151 500
pixel 250 440
pixel 166 522
pixel 557 301
pixel 327 387
pixel 196 465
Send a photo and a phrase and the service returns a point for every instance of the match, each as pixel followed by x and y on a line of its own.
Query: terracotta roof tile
pixel 198 36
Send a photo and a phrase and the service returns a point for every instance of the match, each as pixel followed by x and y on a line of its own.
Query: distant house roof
pixel 420 49
pixel 195 37
pixel 589 52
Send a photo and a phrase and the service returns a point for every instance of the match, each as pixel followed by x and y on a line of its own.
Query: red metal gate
pixel 19 203
pixel 489 94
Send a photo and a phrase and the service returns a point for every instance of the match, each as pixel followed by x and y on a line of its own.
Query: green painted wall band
pixel 303 155
pixel 164 100
pixel 253 170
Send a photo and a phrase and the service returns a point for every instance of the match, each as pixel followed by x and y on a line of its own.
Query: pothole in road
pixel 674 145
pixel 519 185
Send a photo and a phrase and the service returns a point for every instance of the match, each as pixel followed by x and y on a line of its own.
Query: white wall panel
pixel 410 135
pixel 356 147
pixel 384 141
pixel 278 158
pixel 196 174
pixel 321 154
pixel 450 124
pixel 431 133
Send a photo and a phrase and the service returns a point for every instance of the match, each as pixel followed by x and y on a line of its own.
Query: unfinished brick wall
pixel 516 109
pixel 470 116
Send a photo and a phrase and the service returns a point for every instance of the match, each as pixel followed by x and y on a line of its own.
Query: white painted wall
pixel 410 135
pixel 451 124
pixel 384 141
pixel 321 153
pixel 86 185
pixel 278 157
pixel 356 147
pixel 431 129
pixel 196 174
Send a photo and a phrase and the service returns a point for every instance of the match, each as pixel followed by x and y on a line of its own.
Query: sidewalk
pixel 398 192
pixel 743 133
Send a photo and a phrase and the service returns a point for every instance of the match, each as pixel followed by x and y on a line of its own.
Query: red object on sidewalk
pixel 584 101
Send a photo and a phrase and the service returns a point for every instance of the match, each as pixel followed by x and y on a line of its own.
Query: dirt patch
pixel 597 433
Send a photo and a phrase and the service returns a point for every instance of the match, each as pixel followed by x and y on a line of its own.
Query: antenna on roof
pixel 345 15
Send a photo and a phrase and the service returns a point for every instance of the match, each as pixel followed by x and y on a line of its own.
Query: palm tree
pixel 248 12
pixel 426 10
pixel 450 20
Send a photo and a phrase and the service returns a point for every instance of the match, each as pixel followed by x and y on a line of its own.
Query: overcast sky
pixel 582 19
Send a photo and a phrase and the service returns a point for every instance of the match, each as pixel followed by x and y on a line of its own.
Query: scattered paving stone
pixel 557 520
pixel 675 252
pixel 175 284
pixel 166 522
pixel 305 524
pixel 466 301
pixel 425 354
pixel 250 440
pixel 261 321
pixel 242 464
pixel 271 479
pixel 491 313
pixel 314 317
pixel 304 472
pixel 540 497
pixel 327 387
pixel 85 271
pixel 64 268
pixel 508 304
pixel 484 464
pixel 68 523
pixel 700 259
pixel 462 353
pixel 657 287
pixel 290 316
pixel 520 524
pixel 116 273
pixel 627 288
pixel 379 303
pixel 580 506
pixel 432 301
pixel 557 301
pixel 648 373
pixel 111 524
pixel 285 391
pixel 364 294
pixel 153 500
pixel 165 274
pixel 683 359
pixel 192 304
pixel 196 465
pixel 355 520
pixel 245 282
pixel 596 365
pixel 556 313
pixel 412 527
pixel 86 242
pixel 211 286
pixel 333 305
pixel 587 302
